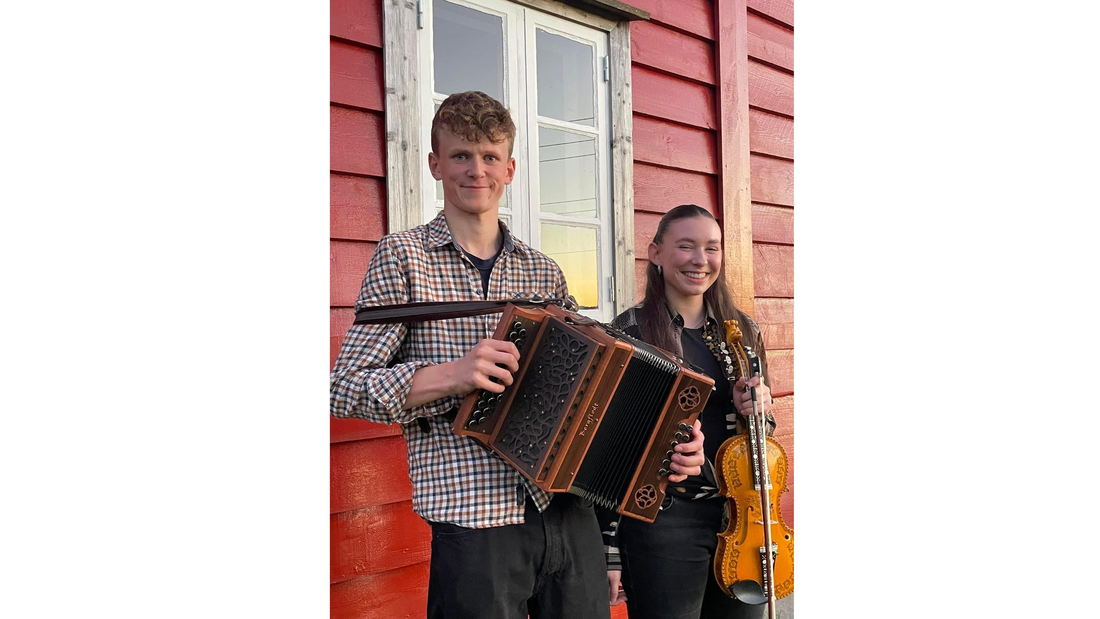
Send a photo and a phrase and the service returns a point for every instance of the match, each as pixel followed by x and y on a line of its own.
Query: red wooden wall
pixel 380 548
pixel 771 147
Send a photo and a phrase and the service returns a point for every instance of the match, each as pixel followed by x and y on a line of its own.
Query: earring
pixel 660 270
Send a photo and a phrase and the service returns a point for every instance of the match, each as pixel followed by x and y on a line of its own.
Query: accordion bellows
pixel 591 411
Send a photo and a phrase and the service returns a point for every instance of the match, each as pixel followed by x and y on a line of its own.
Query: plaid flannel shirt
pixel 454 479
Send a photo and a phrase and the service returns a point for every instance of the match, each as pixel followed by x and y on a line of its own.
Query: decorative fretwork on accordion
pixel 591 411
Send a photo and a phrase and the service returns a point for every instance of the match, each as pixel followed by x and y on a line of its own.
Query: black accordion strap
pixel 442 310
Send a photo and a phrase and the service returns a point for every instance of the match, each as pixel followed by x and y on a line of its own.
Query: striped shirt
pixel 454 479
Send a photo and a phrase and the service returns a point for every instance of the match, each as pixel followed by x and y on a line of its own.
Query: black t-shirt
pixel 713 417
pixel 485 266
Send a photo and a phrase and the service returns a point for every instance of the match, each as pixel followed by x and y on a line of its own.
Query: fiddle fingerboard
pixel 757 432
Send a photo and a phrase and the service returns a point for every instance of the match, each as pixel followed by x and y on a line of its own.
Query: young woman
pixel 685 306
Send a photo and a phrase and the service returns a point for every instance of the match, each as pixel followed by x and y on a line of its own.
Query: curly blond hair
pixel 474 115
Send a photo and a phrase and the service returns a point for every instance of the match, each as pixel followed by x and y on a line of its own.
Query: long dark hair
pixel 655 324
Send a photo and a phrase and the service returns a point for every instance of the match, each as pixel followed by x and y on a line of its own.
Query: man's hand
pixel 689 458
pixel 477 370
pixel 480 366
pixel 616 595
pixel 742 400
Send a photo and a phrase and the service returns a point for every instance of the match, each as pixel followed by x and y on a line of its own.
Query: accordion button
pixel 669 453
pixel 675 443
pixel 685 427
pixel 666 462
pixel 662 472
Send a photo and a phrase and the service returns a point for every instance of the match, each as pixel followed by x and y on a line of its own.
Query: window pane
pixel 469 51
pixel 574 249
pixel 567 173
pixel 565 78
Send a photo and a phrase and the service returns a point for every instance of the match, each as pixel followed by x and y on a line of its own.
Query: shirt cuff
pixel 613 560
pixel 389 389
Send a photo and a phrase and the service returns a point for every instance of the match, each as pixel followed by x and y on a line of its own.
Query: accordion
pixel 591 411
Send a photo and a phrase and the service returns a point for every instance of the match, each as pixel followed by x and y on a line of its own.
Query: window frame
pixel 406 162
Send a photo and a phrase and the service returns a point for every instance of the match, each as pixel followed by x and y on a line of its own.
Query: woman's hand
pixel 689 458
pixel 616 595
pixel 742 400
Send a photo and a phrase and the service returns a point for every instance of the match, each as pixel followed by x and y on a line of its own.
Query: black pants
pixel 668 566
pixel 551 566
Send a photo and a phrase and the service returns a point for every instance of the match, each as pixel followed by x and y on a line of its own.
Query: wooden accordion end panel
pixel 591 411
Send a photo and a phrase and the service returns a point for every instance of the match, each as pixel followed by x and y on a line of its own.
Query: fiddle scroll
pixel 754 562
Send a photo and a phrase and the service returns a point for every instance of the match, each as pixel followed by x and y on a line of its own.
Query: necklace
pixel 719 349
pixel 699 325
pixel 717 344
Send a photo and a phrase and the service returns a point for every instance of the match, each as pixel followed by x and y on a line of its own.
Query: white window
pixel 549 73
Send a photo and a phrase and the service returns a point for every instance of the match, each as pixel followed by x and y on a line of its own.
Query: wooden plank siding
pixel 661 142
pixel 678 54
pixel 355 202
pixel 376 539
pixel 357 142
pixel 692 17
pixel 658 189
pixel 770 42
pixel 771 134
pixel 358 21
pixel 772 180
pixel 779 11
pixel 663 96
pixel 353 72
pixel 771 144
pixel 675 117
pixel 771 89
pixel 399 593
pixel 379 547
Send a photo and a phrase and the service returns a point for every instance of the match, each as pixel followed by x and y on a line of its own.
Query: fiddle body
pixel 738 561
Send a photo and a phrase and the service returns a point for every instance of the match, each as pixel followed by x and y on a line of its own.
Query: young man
pixel 501 548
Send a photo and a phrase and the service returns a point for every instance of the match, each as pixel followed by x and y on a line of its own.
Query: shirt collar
pixel 678 320
pixel 439 235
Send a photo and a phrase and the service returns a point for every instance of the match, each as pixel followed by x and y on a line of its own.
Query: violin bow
pixel 762 480
pixel 749 363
